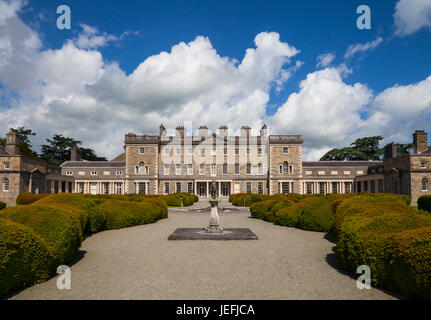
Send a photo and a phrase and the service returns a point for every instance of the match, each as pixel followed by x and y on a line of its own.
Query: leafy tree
pixel 404 149
pixel 58 148
pixel 361 149
pixel 3 142
pixel 25 146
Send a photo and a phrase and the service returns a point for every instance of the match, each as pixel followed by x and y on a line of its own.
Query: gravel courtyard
pixel 140 263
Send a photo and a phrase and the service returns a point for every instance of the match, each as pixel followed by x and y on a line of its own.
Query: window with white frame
pixel 285 150
pixel 259 168
pixel 190 151
pixel 280 169
pixel 119 173
pixel 248 187
pixel 178 151
pixel 285 187
pixel 166 188
pixel 309 186
pixel 142 168
pixel 237 151
pixel 81 187
pixel 225 151
pixel 166 169
pixel 141 150
pixel 423 164
pixel 236 168
pixel 285 167
pixel 106 187
pixel 142 187
pixel 178 187
pixel 201 169
pixel 190 187
pixel 190 169
pixel 248 151
pixel 335 187
pixel 213 152
pixel 178 169
pixel 118 187
pixel 69 173
pixel 6 184
pixel 260 187
pixel 94 173
pixel 425 184
pixel 167 151
pixel 348 187
pixel 202 150
pixel 6 165
pixel 259 151
pixel 224 168
pixel 248 168
pixel 213 169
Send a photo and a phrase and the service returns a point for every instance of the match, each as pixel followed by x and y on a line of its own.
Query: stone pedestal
pixel 214 226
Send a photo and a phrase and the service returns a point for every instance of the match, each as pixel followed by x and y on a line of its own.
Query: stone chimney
pixel 245 131
pixel 223 131
pixel 203 131
pixel 162 130
pixel 180 131
pixel 264 131
pixel 391 150
pixel 420 141
pixel 75 154
pixel 12 143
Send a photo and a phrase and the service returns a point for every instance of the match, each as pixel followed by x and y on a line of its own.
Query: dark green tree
pixel 361 149
pixel 25 146
pixel 404 149
pixel 3 142
pixel 58 148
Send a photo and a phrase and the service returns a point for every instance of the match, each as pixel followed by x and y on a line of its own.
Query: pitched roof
pixel 121 157
pixel 94 164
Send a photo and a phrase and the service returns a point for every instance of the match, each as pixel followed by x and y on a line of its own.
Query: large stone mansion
pixel 263 163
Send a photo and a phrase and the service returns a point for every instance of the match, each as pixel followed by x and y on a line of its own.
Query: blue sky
pixel 312 27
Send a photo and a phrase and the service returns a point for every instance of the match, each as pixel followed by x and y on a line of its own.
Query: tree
pixel 3 142
pixel 58 148
pixel 366 148
pixel 404 149
pixel 25 146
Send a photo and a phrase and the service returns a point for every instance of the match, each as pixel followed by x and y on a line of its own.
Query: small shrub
pixel 24 260
pixel 424 203
pixel 261 209
pixel 2 205
pixel 26 198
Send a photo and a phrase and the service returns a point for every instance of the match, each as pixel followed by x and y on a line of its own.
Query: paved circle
pixel 140 263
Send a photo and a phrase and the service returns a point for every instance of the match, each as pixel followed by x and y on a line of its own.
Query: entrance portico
pixel 224 188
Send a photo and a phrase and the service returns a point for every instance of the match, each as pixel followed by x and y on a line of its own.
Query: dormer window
pixel 119 173
pixel 69 173
pixel 94 173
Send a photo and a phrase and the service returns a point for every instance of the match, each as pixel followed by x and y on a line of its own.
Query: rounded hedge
pixel 288 216
pixel 261 209
pixel 25 258
pixel 316 215
pixel 424 203
pixel 59 230
pixel 26 198
pixel 2 205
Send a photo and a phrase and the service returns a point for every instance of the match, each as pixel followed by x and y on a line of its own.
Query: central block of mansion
pixel 266 164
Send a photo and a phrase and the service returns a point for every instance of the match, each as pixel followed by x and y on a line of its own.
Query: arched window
pixel 285 167
pixel 425 184
pixel 142 168
pixel 5 184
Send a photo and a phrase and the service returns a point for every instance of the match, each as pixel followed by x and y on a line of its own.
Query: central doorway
pixel 225 189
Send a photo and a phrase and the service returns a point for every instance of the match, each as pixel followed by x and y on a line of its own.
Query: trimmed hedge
pixel 59 230
pixel 424 203
pixel 123 214
pixel 2 205
pixel 24 260
pixel 288 216
pixel 26 198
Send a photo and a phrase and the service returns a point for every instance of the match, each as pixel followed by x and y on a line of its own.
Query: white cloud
pixel 324 60
pixel 362 47
pixel 411 16
pixel 91 38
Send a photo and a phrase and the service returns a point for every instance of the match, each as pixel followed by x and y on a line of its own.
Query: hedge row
pixel 28 198
pixel 424 203
pixel 389 237
pixel 36 238
pixel 2 205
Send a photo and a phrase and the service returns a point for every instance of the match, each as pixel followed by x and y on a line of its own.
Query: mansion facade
pixel 263 163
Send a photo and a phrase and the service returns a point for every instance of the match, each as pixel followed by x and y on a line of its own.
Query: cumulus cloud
pixel 324 60
pixel 411 16
pixel 362 47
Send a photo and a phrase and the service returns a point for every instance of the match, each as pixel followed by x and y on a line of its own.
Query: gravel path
pixel 140 263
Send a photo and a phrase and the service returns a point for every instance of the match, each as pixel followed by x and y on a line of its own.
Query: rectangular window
pixel 178 152
pixel 334 187
pixel 236 168
pixel 248 168
pixel 178 187
pixel 236 151
pixel 348 187
pixel 259 151
pixel 201 169
pixel 423 164
pixel 260 187
pixel 69 173
pixel 118 187
pixel 309 187
pixel 322 187
pixel 190 169
pixel 213 169
pixel 142 187
pixel 141 150
pixel 373 186
pixel 285 150
pixel 178 169
pixel 290 169
pixel 166 187
pixel 94 173
pixel 259 168
pixel 213 152
pixel 81 187
pixel 224 168
pixel 119 173
pixel 106 187
pixel 380 186
pixel 285 187
pixel 166 169
pixel 6 164
pixel 225 151
pixel 202 151
pixel 167 151
pixel 248 187
pixel 190 151
pixel 190 187
pixel 248 151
